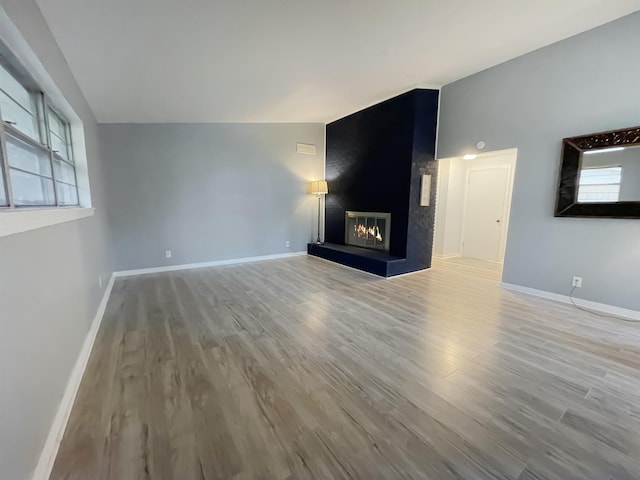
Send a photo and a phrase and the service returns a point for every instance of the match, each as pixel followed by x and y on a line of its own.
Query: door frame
pixel 506 209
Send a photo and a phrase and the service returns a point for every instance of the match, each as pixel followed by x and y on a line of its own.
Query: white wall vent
pixel 305 148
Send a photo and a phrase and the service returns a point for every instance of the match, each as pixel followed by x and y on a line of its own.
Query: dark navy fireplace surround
pixel 375 160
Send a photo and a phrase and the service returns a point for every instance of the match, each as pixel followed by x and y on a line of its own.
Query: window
pixel 600 185
pixel 37 168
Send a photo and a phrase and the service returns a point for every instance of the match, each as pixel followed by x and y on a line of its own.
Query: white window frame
pixel 22 219
pixel 44 143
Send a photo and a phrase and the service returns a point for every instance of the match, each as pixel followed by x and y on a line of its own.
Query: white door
pixel 484 211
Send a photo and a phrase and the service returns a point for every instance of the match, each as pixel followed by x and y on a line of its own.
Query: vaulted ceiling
pixel 293 60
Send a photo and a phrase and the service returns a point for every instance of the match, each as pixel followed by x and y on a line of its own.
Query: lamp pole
pixel 318 239
pixel 319 188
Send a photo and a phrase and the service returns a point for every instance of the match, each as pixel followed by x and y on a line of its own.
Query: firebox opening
pixel 368 229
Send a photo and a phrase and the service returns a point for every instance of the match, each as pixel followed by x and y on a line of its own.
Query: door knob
pixel 497 221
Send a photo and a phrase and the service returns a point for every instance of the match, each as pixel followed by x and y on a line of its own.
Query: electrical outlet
pixel 100 281
pixel 576 282
pixel 168 253
pixel 287 244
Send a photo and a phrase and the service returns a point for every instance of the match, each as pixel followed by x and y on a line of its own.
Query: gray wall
pixel 580 85
pixel 48 286
pixel 209 191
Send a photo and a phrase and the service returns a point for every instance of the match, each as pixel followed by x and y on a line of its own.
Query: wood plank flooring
pixel 302 369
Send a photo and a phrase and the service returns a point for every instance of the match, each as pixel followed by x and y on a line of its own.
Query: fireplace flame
pixel 362 231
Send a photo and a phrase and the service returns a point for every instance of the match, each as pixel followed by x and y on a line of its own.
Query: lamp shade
pixel 319 188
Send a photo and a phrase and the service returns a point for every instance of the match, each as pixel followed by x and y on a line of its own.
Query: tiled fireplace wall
pixel 375 160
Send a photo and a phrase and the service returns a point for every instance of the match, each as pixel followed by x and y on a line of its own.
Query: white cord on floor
pixel 596 313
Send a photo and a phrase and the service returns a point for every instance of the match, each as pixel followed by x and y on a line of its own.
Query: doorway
pixel 473 206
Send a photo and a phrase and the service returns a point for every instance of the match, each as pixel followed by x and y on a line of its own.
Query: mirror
pixel 600 175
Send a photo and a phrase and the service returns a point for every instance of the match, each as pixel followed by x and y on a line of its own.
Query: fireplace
pixel 367 229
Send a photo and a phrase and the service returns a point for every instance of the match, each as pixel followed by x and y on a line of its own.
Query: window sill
pixel 21 220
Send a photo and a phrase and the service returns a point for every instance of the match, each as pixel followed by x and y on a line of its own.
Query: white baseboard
pixel 588 304
pixel 446 256
pixel 217 263
pixel 51 445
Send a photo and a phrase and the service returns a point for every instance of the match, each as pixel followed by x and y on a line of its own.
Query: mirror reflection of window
pixel 600 185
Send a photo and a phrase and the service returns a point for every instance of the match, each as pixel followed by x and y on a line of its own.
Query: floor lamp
pixel 319 188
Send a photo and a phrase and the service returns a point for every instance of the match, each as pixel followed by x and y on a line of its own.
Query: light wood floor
pixel 299 368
